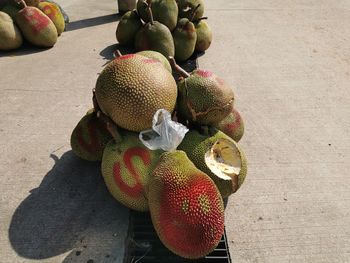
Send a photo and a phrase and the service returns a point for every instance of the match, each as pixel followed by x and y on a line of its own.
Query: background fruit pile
pixel 38 22
pixel 173 28
pixel 183 189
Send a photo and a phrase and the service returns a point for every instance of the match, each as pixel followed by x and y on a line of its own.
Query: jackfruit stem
pixel 148 3
pixel 177 68
pixel 111 127
pixel 194 12
pixel 199 19
pixel 117 53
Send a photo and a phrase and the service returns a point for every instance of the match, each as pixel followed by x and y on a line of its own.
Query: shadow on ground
pixel 25 49
pixel 95 21
pixel 70 210
pixel 108 52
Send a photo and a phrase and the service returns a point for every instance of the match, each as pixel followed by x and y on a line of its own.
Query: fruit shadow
pixel 70 211
pixel 90 22
pixel 25 49
pixel 108 52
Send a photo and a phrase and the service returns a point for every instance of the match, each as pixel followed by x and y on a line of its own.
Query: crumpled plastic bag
pixel 165 134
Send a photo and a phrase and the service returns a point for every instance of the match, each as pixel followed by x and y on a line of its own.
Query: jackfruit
pixel 54 13
pixel 186 207
pixel 36 27
pixel 10 36
pixel 126 168
pixel 185 38
pixel 132 88
pixel 90 137
pixel 127 28
pixel 219 156
pixel 164 11
pixel 204 98
pixel 204 35
pixel 155 36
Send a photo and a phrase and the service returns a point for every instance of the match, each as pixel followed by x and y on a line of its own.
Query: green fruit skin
pixel 164 11
pixel 10 36
pixel 90 137
pixel 232 125
pixel 155 37
pixel 196 145
pixel 127 28
pixel 54 13
pixel 210 98
pixel 204 36
pixel 158 56
pixel 136 164
pixel 183 4
pixel 36 27
pixel 11 10
pixel 185 38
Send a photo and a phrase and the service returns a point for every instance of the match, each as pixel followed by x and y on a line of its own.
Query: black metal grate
pixel 144 246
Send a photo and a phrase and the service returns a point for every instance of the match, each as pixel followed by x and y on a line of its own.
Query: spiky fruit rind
pixel 158 56
pixel 36 27
pixel 164 11
pixel 185 38
pixel 132 88
pixel 197 145
pixel 155 37
pixel 127 28
pixel 204 98
pixel 10 36
pixel 186 208
pixel 126 168
pixel 186 7
pixel 90 137
pixel 204 36
pixel 232 125
pixel 54 13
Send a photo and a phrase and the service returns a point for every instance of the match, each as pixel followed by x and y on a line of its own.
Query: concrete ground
pixel 289 64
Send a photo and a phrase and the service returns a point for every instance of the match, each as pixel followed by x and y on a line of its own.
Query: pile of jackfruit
pixel 40 22
pixel 183 189
pixel 174 28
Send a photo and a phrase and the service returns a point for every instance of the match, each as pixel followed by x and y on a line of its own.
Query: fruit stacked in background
pixel 39 23
pixel 10 36
pixel 182 189
pixel 172 27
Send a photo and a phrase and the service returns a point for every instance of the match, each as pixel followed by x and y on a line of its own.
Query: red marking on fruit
pixel 37 20
pixel 150 60
pixel 231 127
pixel 49 11
pixel 184 231
pixel 128 56
pixel 204 73
pixel 92 145
pixel 136 190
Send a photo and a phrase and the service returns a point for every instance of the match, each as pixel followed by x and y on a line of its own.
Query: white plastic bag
pixel 165 133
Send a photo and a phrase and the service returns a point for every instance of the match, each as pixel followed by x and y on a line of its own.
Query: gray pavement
pixel 289 64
